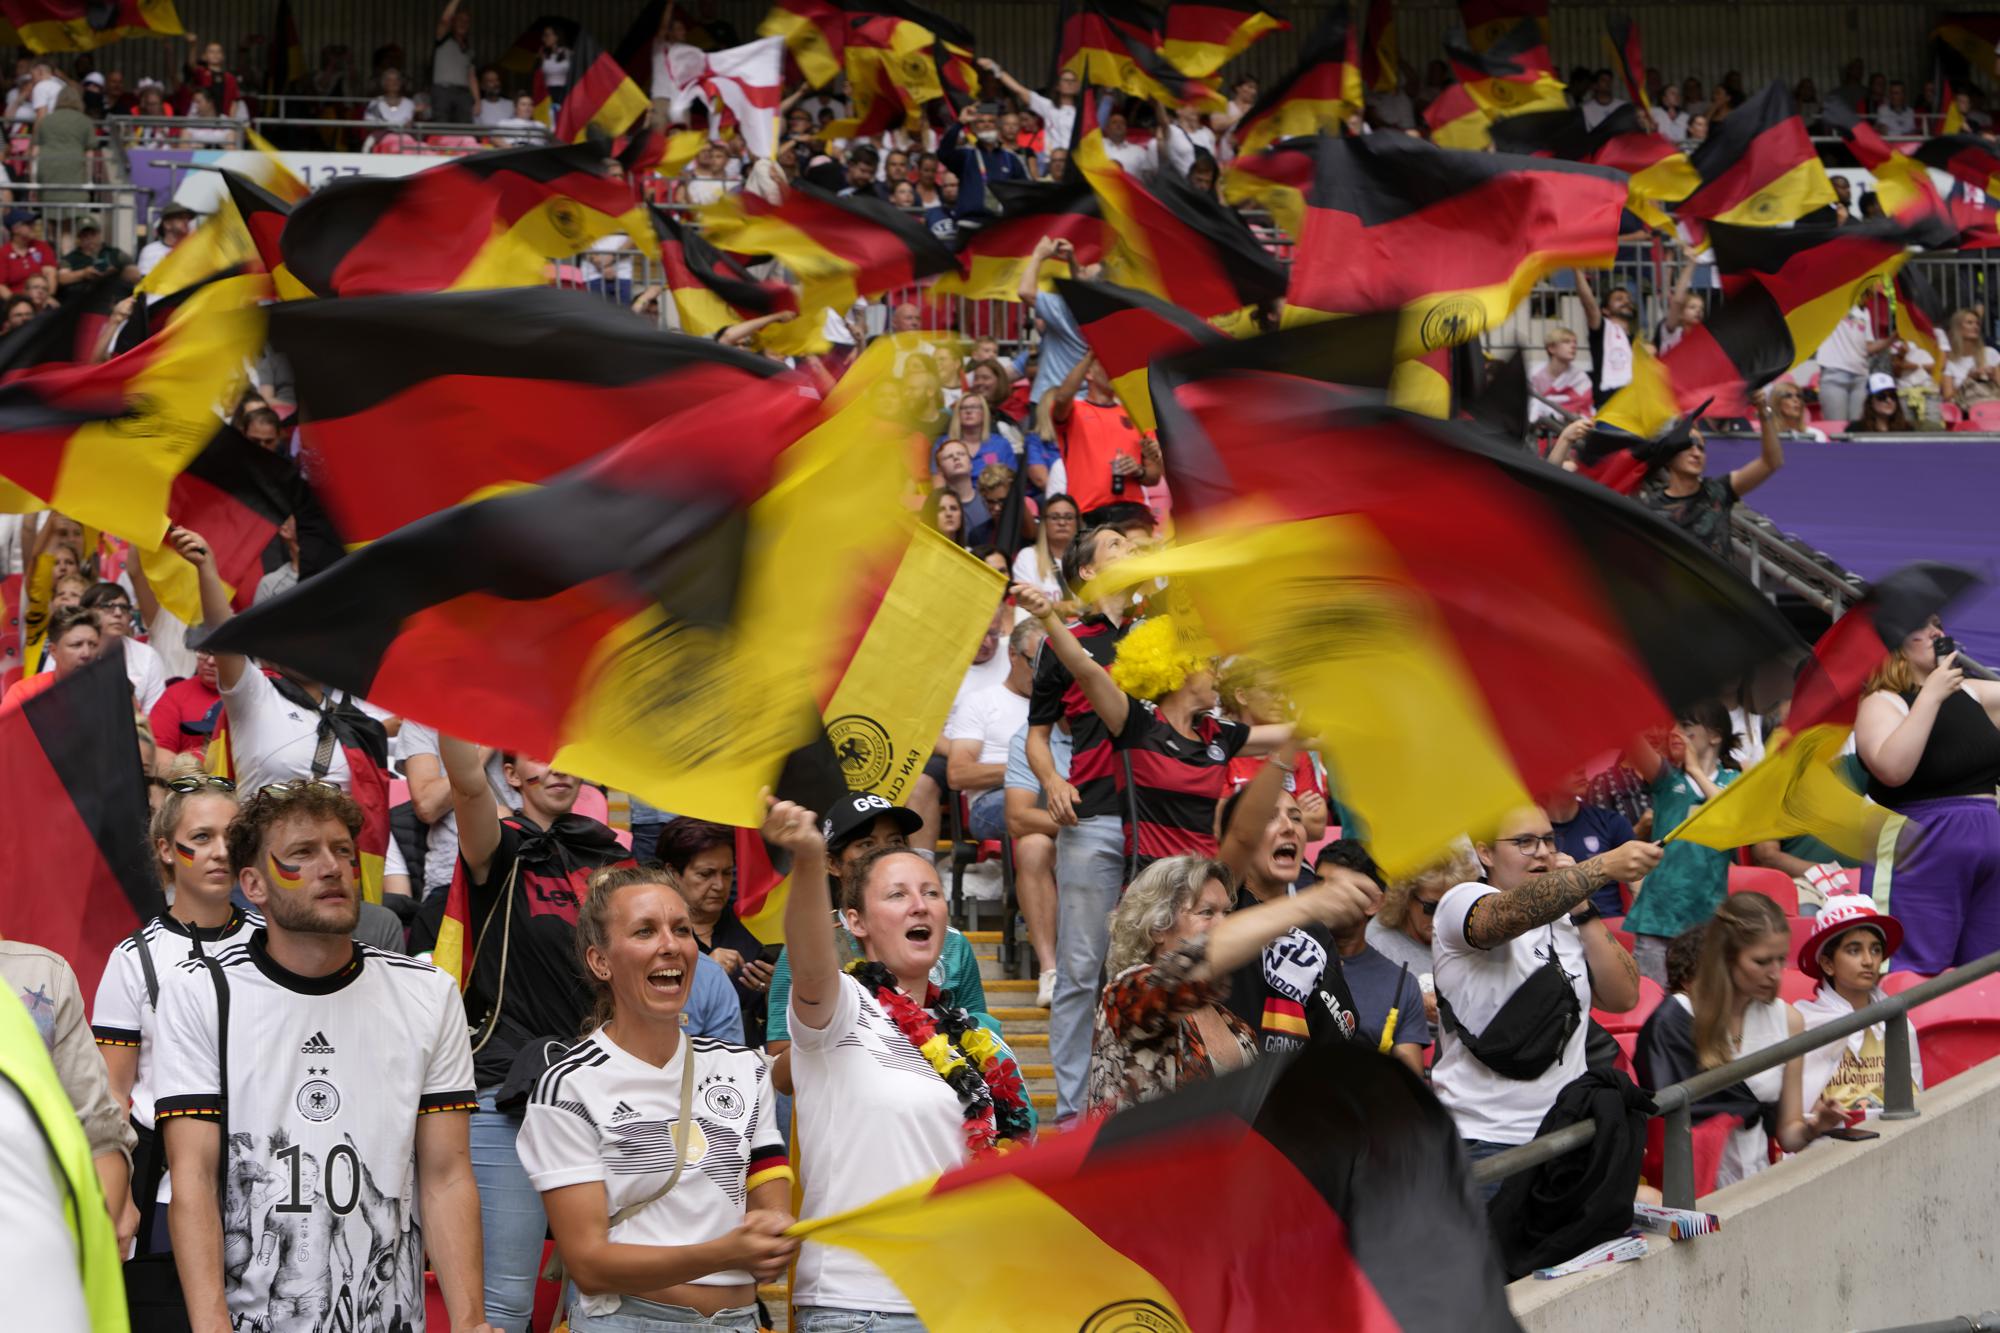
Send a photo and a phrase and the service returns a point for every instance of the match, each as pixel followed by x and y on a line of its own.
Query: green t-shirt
pixel 1691 880
pixel 957 971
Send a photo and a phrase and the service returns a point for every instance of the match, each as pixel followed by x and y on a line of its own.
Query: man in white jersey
pixel 337 1080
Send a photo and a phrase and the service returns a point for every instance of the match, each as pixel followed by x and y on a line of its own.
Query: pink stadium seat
pixel 1984 415
pixel 1948 413
pixel 1959 1030
pixel 1650 995
pixel 1628 1046
pixel 1773 884
pixel 1802 930
pixel 399 791
pixel 1898 982
pixel 1831 427
pixel 1709 1137
pixel 1795 986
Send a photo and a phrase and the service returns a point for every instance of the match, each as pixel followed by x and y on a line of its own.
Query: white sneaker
pixel 1045 994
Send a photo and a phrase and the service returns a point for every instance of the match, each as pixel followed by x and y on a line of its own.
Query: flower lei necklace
pixel 965 1055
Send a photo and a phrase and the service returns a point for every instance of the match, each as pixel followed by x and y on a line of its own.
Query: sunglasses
pixel 299 785
pixel 1428 909
pixel 199 782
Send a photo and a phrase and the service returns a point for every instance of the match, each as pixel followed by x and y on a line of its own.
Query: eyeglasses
pixel 1428 908
pixel 194 782
pixel 298 785
pixel 1528 842
pixel 123 608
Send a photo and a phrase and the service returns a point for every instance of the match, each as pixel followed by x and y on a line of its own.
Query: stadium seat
pixel 1628 1046
pixel 1949 414
pixel 1802 930
pixel 1650 995
pixel 1773 884
pixel 1895 983
pixel 591 803
pixel 1796 986
pixel 399 791
pixel 1624 937
pixel 1958 1030
pixel 1984 415
pixel 1709 1138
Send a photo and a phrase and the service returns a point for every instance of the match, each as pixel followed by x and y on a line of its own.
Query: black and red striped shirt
pixel 1175 780
pixel 1056 695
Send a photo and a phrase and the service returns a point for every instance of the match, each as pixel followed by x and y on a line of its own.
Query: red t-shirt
pixel 1090 439
pixel 184 718
pixel 17 266
pixel 1303 778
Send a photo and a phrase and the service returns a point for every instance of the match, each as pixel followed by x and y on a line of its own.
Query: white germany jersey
pixel 601 1113
pixel 325 1078
pixel 123 1014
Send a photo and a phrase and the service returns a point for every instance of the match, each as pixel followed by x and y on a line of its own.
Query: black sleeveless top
pixel 1962 757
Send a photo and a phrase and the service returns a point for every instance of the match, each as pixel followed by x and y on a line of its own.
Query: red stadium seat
pixel 1709 1138
pixel 1796 986
pixel 1628 1046
pixel 1624 937
pixel 1959 1030
pixel 1650 995
pixel 1984 415
pixel 1802 930
pixel 1897 982
pixel 1773 884
pixel 1948 413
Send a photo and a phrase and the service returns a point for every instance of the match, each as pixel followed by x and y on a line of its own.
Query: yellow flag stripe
pixel 1793 790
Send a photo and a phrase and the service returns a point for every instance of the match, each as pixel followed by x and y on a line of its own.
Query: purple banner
pixel 1876 506
pixel 161 180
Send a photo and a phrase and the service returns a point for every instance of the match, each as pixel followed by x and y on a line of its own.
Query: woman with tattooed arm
pixel 1519 959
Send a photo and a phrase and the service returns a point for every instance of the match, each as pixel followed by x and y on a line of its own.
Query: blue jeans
pixel 1478 1150
pixel 1090 873
pixel 826 1319
pixel 986 815
pixel 636 1316
pixel 510 1216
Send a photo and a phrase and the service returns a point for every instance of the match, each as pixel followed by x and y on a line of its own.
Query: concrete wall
pixel 1843 1236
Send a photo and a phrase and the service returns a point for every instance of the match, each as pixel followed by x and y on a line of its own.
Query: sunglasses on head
pixel 298 785
pixel 198 782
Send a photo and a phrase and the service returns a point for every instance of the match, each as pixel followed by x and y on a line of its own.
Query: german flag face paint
pixel 183 853
pixel 288 877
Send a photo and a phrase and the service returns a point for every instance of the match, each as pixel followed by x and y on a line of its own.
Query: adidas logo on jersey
pixel 622 1112
pixel 317 1044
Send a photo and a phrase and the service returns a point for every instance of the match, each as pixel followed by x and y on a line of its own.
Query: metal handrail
pixel 416 129
pixel 1674 1101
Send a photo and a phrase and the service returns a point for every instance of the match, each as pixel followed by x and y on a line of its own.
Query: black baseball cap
pixel 855 814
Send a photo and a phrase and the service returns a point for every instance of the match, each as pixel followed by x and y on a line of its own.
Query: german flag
pixel 1899 604
pixel 84 25
pixel 1354 1153
pixel 1972 36
pixel 103 442
pixel 487 220
pixel 1379 68
pixel 1661 174
pixel 1180 245
pixel 1902 185
pixel 67 333
pixel 1796 788
pixel 263 215
pixel 892 73
pixel 1966 157
pixel 236 495
pixel 76 798
pixel 1456 121
pixel 712 290
pixel 1512 76
pixel 1491 23
pixel 841 249
pixel 288 59
pixel 815 33
pixel 1370 549
pixel 1758 167
pixel 525 55
pixel 994 255
pixel 464 394
pixel 1202 36
pixel 1317 97
pixel 1376 200
pixel 656 619
pixel 1817 274
pixel 1276 180
pixel 1919 315
pixel 1127 331
pixel 1628 56
pixel 1721 361
pixel 1116 44
pixel 601 95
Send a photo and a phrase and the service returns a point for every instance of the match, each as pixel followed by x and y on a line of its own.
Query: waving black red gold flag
pixel 1920 316
pixel 601 95
pixel 1902 185
pixel 1972 37
pixel 1490 23
pixel 1354 1153
pixel 994 255
pixel 1966 157
pixel 84 25
pixel 1895 607
pixel 1276 180
pixel 1720 361
pixel 1201 36
pixel 1127 331
pixel 1758 167
pixel 1316 97
pixel 1623 140
pixel 1456 121
pixel 1116 44
pixel 1317 516
pixel 1378 199
pixel 487 220
pixel 711 290
pixel 236 495
pixel 1380 70
pixel 1177 243
pixel 842 248
pixel 68 332
pixel 76 796
pixel 1513 75
pixel 815 33
pixel 459 394
pixel 1628 56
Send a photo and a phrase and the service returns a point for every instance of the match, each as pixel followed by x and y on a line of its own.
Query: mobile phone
pixel 1944 646
pixel 1851 1135
pixel 770 954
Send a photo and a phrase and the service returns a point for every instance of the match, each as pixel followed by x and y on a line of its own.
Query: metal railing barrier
pixel 1675 1101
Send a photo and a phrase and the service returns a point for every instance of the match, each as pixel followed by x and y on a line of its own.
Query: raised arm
pixel 1106 699
pixel 1770 456
pixel 809 942
pixel 1683 284
pixel 1499 917
pixel 1593 313
pixel 444 19
pixel 1062 398
pixel 1237 844
pixel 215 608
pixel 472 802
pixel 1031 276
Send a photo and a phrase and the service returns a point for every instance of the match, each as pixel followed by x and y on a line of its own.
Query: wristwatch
pixel 1586 916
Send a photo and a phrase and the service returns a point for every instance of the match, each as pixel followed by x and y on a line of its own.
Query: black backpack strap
pixel 138 938
pixel 221 1071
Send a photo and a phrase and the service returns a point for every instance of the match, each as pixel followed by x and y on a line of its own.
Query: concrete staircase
pixel 1024 1024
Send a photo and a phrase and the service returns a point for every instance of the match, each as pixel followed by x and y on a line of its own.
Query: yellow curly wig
pixel 1152 663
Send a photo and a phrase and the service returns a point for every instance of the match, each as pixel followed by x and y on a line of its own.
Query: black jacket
pixel 1583 1198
